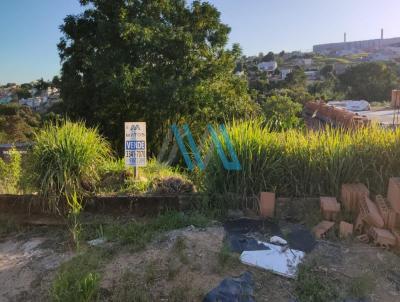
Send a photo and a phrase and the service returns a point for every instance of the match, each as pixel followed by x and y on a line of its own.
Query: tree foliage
pixel 281 112
pixel 370 81
pixel 156 61
pixel 17 123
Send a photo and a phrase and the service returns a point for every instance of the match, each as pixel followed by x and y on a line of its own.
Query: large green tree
pixel 370 81
pixel 149 60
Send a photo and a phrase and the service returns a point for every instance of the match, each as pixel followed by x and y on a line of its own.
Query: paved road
pixel 382 116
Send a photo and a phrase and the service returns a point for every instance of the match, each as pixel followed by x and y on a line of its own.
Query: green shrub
pixel 156 177
pixel 66 158
pixel 281 112
pixel 305 163
pixel 10 173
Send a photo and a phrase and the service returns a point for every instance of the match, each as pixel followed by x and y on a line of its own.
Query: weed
pixel 150 273
pixel 226 259
pixel 361 286
pixel 179 249
pixel 137 234
pixel 77 279
pixel 74 211
pixel 312 286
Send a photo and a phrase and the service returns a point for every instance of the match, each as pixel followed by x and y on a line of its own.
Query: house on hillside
pixel 5 99
pixel 285 72
pixel 268 67
pixel 304 62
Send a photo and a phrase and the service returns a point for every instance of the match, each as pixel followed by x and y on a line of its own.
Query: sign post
pixel 135 145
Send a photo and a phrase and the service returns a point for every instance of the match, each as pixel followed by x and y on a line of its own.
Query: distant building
pixel 33 103
pixel 285 72
pixel 270 66
pixel 5 99
pixel 345 48
pixel 306 62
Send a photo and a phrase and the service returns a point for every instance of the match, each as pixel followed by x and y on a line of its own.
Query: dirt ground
pixel 28 262
pixel 183 265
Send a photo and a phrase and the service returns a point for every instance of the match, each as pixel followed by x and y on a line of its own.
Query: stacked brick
pixel 377 219
pixel 330 208
pixel 352 195
pixel 318 114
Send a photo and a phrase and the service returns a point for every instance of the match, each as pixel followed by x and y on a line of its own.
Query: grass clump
pixel 226 259
pixel 305 163
pixel 77 279
pixel 361 286
pixel 138 234
pixel 66 158
pixel 314 286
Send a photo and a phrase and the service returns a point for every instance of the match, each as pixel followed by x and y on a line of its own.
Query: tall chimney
pixel 382 34
pixel 345 37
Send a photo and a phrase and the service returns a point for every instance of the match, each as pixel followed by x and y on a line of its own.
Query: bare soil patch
pixel 185 264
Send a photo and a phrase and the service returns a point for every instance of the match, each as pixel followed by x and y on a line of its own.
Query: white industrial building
pixel 345 48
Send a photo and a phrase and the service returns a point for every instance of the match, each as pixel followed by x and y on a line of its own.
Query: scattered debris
pixel 239 243
pixel 280 260
pixel 363 238
pixel 278 240
pixel 239 289
pixel 382 237
pixel 267 204
pixel 251 226
pixel 301 239
pixel 322 228
pixel 97 242
pixel 234 214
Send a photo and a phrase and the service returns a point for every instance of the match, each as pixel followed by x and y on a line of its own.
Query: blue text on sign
pixel 135 145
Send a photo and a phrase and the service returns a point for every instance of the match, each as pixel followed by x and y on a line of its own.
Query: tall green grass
pixel 66 158
pixel 305 163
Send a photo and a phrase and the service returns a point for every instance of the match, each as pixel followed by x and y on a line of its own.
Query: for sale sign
pixel 135 144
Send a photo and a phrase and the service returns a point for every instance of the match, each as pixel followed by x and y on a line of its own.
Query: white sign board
pixel 135 144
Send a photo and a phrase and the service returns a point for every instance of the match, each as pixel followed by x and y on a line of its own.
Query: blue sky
pixel 29 29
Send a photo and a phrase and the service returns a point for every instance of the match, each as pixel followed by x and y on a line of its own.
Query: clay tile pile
pixel 337 117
